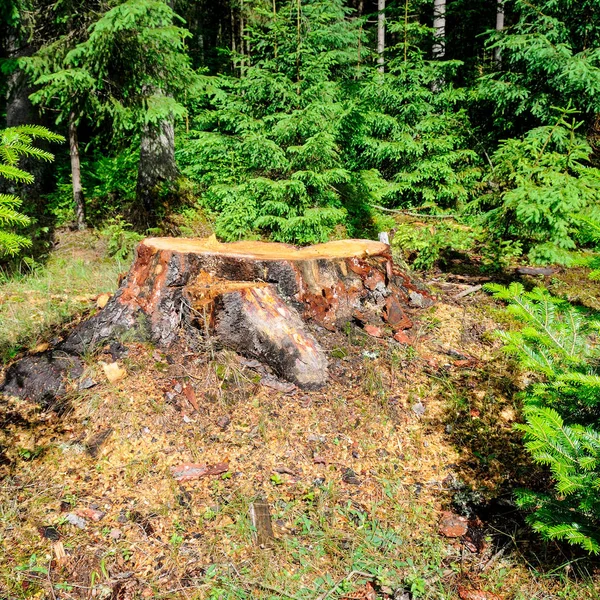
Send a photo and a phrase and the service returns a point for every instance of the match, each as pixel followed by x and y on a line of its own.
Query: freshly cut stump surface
pixel 255 298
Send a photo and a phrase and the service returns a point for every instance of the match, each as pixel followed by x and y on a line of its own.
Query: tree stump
pixel 255 298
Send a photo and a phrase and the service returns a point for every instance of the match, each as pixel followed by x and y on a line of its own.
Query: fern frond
pixel 13 173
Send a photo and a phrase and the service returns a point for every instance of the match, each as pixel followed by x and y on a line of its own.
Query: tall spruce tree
pixel 550 58
pixel 266 147
pixel 131 72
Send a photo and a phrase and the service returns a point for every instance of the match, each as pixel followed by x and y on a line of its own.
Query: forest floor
pixel 357 475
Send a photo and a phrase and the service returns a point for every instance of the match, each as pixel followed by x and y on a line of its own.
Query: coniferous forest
pixel 455 456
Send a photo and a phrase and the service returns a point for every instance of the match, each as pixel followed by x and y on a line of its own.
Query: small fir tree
pixel 15 143
pixel 561 409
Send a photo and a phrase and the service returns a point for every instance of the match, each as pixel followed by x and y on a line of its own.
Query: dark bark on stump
pixel 20 111
pixel 42 378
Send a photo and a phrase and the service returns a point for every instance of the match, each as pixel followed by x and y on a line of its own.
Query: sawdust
pixel 295 450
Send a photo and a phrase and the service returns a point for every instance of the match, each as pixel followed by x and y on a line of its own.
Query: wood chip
pixel 467 594
pixel 113 371
pixel 260 517
pixel 189 471
pixel 452 525
pixel 96 442
pixel 102 300
pixel 59 552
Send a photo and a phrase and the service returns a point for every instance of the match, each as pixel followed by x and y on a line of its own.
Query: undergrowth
pixel 37 302
pixel 557 345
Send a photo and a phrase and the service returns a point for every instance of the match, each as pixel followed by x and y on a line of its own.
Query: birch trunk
pixel 380 34
pixel 78 198
pixel 499 27
pixel 439 26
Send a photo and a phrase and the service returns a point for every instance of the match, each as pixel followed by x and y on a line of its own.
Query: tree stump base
pixel 255 298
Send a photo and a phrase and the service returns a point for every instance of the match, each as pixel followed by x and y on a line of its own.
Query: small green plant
pixel 30 454
pixel 424 244
pixel 120 239
pixel 32 566
pixel 417 587
pixel 176 540
pixel 562 423
pixel 126 554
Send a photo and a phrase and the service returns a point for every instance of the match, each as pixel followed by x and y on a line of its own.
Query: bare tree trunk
pixel 274 19
pixel 380 34
pixel 242 44
pixel 78 198
pixel 246 40
pixel 405 30
pixel 233 48
pixel 499 27
pixel 298 8
pixel 157 166
pixel 439 26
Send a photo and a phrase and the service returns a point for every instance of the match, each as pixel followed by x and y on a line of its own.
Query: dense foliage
pixel 290 128
pixel 16 143
pixel 562 428
pixel 297 121
pixel 266 148
pixel 543 183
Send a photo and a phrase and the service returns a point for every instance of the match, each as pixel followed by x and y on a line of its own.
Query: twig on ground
pixel 50 581
pixel 494 558
pixel 408 213
pixel 470 290
pixel 264 586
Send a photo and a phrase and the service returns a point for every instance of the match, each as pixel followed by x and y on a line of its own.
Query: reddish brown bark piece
pixel 467 594
pixel 91 513
pixel 190 394
pixel 394 314
pixel 401 337
pixel 189 471
pixel 374 331
pixel 452 525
